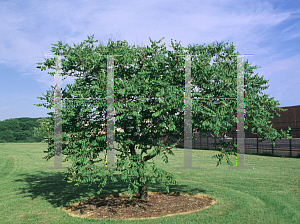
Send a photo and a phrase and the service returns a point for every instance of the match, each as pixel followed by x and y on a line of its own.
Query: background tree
pixel 156 74
pixel 44 130
pixel 19 130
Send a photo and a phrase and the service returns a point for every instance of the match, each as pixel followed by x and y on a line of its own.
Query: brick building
pixel 291 118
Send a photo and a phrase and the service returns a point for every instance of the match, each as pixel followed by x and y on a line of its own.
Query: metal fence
pixel 283 147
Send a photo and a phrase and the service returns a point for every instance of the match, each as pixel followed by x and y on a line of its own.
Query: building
pixel 291 118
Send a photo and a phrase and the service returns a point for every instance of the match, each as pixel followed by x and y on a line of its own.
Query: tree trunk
pixel 142 188
pixel 143 192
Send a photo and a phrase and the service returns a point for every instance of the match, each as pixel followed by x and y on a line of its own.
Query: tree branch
pixel 148 157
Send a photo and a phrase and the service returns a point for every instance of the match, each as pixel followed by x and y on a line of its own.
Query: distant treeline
pixel 20 130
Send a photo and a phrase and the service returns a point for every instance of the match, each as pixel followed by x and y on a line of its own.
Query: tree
pixel 44 129
pixel 158 75
pixel 18 130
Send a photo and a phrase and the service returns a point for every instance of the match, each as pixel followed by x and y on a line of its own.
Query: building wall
pixel 291 117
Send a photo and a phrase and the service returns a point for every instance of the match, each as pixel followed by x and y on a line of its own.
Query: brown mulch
pixel 119 206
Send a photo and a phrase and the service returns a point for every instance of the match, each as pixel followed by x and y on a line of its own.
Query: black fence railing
pixel 283 147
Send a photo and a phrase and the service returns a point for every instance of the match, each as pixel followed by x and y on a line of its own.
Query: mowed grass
pixel 270 193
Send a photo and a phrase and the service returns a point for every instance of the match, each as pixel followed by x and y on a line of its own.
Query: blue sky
pixel 270 30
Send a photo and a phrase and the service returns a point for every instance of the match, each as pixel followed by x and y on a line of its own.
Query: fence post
pixel 194 140
pixel 257 142
pixel 215 143
pixel 200 138
pixel 291 148
pixel 272 149
pixel 207 142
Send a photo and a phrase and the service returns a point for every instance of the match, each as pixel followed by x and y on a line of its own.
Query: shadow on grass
pixel 51 187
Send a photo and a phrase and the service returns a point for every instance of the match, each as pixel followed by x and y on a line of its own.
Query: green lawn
pixel 270 193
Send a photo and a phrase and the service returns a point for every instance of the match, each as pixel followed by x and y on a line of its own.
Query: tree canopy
pixel 152 87
pixel 19 130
